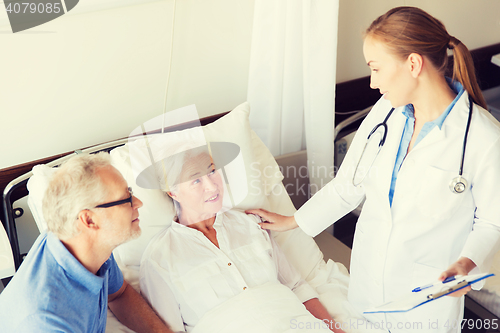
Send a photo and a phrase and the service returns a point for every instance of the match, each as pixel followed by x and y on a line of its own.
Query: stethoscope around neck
pixel 364 166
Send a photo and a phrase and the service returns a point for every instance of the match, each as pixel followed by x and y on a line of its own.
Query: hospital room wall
pixel 94 76
pixel 475 23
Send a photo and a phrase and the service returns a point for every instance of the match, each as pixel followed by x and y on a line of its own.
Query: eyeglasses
pixel 119 202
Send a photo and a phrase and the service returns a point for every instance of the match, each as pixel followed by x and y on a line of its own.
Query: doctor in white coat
pixel 413 229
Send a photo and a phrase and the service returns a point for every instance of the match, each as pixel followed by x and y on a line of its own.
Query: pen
pixel 448 279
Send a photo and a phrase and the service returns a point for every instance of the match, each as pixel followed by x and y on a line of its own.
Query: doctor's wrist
pixel 467 264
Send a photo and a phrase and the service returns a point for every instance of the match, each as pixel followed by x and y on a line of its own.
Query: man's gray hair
pixel 75 186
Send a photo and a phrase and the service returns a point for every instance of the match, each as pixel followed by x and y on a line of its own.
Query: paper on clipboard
pixel 416 299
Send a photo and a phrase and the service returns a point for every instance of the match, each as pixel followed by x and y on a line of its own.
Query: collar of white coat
pixel 454 123
pixel 457 88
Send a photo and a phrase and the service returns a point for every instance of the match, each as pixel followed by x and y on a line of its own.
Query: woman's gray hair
pixel 170 168
pixel 75 186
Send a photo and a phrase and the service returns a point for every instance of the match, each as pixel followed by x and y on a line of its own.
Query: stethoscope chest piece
pixel 458 185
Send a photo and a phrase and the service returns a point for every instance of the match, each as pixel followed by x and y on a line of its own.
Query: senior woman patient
pixel 216 271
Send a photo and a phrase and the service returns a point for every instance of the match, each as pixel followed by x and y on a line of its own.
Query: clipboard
pixel 415 299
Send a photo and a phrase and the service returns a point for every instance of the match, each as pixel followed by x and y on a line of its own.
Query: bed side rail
pixel 350 125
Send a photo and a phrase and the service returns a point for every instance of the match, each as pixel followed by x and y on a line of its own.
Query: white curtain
pixel 291 87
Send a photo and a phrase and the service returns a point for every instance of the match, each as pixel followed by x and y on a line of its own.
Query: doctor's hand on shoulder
pixel 460 267
pixel 273 221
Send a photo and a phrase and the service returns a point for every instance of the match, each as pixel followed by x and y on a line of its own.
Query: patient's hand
pixel 318 310
pixel 273 221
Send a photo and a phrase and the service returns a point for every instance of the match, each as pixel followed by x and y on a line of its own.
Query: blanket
pixel 270 308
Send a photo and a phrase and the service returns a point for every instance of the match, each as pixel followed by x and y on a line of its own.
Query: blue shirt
pixel 53 292
pixel 409 113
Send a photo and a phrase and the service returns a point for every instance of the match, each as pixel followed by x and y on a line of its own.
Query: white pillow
pixel 262 170
pixel 37 184
pixel 156 213
pixel 262 174
pixel 6 257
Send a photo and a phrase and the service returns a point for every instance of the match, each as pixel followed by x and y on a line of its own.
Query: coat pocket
pixel 435 199
pixel 423 274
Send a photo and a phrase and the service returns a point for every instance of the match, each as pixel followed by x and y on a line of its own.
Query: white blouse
pixel 184 275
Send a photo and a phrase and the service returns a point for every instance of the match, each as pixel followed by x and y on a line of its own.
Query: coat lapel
pixel 456 119
pixel 387 156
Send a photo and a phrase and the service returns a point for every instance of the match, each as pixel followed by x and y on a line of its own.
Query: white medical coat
pixel 428 227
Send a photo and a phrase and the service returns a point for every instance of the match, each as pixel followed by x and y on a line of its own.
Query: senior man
pixel 70 276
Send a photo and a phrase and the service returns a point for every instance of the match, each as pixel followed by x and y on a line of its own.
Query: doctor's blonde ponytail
pixel 406 30
pixel 463 71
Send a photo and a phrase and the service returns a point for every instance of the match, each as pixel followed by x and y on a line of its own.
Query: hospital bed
pixel 330 279
pixel 350 95
pixel 485 303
